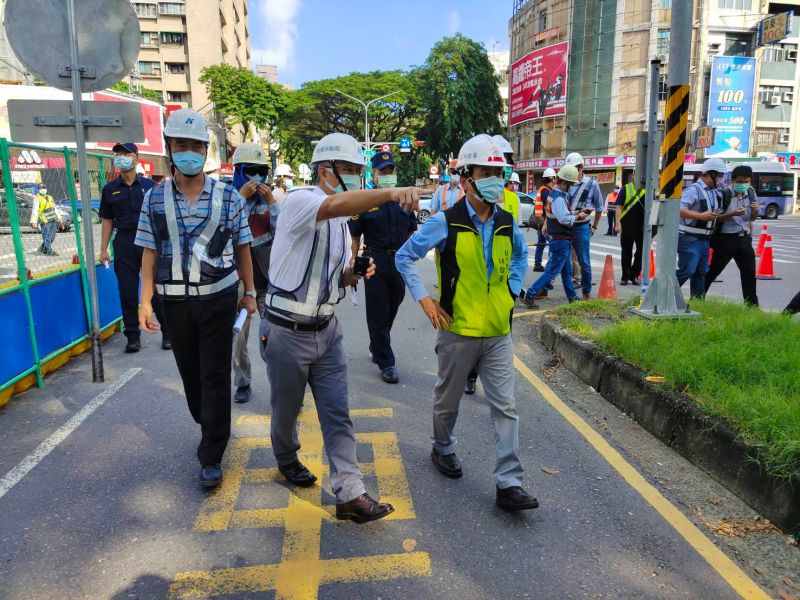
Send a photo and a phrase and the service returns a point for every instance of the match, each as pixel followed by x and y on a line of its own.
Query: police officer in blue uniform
pixel 120 205
pixel 384 229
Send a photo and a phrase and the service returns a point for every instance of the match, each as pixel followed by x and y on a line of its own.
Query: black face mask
pixel 254 170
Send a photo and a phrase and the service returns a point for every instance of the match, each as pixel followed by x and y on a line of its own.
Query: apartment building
pixel 499 62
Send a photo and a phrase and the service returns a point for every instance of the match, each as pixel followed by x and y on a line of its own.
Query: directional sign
pixel 704 137
pixel 405 144
pixel 775 28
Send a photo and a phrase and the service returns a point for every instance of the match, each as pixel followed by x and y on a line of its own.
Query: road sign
pixel 386 148
pixel 433 171
pixel 405 144
pixel 704 137
pixel 36 121
pixel 775 28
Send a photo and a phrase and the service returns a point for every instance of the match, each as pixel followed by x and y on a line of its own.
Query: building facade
pixel 500 62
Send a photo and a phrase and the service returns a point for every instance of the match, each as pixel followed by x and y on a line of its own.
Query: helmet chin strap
pixel 339 177
pixel 476 191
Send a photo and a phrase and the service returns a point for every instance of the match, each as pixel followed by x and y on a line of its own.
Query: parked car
pixel 66 207
pixel 424 208
pixel 25 202
pixel 525 209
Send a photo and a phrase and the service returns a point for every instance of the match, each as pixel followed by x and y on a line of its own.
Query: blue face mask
pixel 257 179
pixel 123 163
pixel 490 188
pixel 288 184
pixel 188 163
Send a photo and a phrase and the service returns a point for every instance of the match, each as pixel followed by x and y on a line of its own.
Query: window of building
pixel 735 4
pixel 542 25
pixel 663 88
pixel 172 8
pixel 149 38
pixel 766 93
pixel 774 54
pixel 537 141
pixel 145 10
pixel 169 37
pixel 147 67
pixel 664 3
pixel 175 68
pixel 662 42
pixel 738 44
pixel 177 97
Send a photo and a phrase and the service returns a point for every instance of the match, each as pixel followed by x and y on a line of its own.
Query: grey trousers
pixel 494 358
pixel 297 358
pixel 241 357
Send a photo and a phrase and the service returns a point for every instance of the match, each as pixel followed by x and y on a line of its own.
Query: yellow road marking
pixel 355 413
pixel 527 313
pixel 723 565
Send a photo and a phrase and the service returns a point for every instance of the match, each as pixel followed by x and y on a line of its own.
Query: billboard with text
pixel 539 84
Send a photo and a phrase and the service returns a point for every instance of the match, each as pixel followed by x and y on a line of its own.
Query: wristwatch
pixel 251 293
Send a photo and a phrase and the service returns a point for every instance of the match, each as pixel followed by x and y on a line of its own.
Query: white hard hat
pixel 514 178
pixel 338 146
pixel 251 153
pixel 573 159
pixel 568 173
pixel 186 124
pixel 714 164
pixel 284 170
pixel 503 144
pixel 549 173
pixel 482 150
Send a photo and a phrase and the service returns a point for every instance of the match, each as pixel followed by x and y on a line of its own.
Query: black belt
pixel 126 230
pixel 297 326
pixel 738 234
pixel 376 251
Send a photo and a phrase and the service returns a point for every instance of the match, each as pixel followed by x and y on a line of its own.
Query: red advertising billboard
pixel 153 126
pixel 539 84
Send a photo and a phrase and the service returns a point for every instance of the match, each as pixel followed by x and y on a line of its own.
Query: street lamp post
pixel 366 106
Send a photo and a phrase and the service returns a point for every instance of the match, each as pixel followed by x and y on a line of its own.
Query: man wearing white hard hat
pixel 250 174
pixel 481 257
pixel 538 220
pixel 196 244
pixel 700 204
pixel 301 339
pixel 584 196
pixel 284 181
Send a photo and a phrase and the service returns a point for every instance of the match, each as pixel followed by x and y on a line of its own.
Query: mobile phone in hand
pixel 361 265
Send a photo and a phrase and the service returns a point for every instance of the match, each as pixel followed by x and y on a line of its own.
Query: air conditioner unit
pixel 775 100
pixel 791 55
pixel 788 96
pixel 664 58
pixel 784 138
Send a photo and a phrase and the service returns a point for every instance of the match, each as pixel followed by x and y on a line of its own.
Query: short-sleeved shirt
pixel 386 227
pixel 294 239
pixel 451 196
pixel 698 197
pixel 123 203
pixel 741 224
pixel 590 196
pixel 191 219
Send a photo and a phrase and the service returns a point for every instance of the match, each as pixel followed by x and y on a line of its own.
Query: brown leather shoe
pixel 363 509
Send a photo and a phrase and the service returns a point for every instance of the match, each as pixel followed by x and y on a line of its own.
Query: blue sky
pixel 319 39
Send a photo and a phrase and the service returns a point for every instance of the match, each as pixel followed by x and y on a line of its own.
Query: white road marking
pixel 34 458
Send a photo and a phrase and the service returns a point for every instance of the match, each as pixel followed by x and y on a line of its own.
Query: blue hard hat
pixel 382 160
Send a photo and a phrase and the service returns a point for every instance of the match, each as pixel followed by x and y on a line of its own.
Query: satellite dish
pixel 108 40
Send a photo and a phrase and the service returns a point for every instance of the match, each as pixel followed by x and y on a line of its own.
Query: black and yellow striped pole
pixel 663 297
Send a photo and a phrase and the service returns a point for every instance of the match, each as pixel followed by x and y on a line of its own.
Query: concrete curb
pixel 677 421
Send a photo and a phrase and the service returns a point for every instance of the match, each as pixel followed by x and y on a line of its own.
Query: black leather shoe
pixel 297 474
pixel 515 498
pixel 211 476
pixel 530 303
pixel 623 282
pixel 389 375
pixel 242 394
pixel 363 509
pixel 133 345
pixel 538 268
pixel 448 464
pixel 469 387
pixel 166 343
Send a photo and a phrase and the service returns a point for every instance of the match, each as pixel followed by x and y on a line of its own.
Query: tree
pixel 146 93
pixel 242 97
pixel 459 95
pixel 317 109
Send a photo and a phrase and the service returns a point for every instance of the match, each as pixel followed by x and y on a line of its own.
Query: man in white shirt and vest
pixel 301 339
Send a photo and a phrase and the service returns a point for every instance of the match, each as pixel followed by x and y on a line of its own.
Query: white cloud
pixel 453 22
pixel 273 26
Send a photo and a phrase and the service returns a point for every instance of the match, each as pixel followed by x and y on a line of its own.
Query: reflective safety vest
pixel 511 203
pixel 444 189
pixel 632 196
pixel 480 306
pixel 697 227
pixel 538 204
pixel 47 209
pixel 555 228
pixel 313 300
pixel 202 278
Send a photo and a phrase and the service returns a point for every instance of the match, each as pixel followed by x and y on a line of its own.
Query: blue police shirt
pixel 123 203
pixel 385 228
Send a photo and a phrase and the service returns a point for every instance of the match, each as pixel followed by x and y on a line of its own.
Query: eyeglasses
pixel 262 170
pixel 453 172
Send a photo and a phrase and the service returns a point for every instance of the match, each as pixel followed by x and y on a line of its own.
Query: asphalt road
pixel 112 509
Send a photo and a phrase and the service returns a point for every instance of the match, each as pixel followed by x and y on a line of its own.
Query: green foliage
pixel 242 97
pixel 459 95
pixel 737 362
pixel 146 93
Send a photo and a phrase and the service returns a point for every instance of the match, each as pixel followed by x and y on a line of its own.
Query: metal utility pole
pixel 366 106
pixel 651 177
pixel 664 297
pixel 76 70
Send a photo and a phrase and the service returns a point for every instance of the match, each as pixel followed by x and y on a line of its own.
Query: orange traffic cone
pixel 75 259
pixel 652 266
pixel 608 288
pixel 762 239
pixel 765 268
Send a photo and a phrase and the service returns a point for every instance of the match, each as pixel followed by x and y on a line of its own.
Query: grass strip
pixel 738 363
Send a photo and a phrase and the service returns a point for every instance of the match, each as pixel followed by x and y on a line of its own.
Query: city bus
pixel 774 182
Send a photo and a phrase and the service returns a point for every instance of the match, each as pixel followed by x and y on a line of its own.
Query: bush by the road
pixel 739 364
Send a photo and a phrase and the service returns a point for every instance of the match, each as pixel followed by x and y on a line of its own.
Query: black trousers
pixel 611 215
pixel 794 305
pixel 631 262
pixel 127 264
pixel 728 246
pixel 202 342
pixel 384 294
